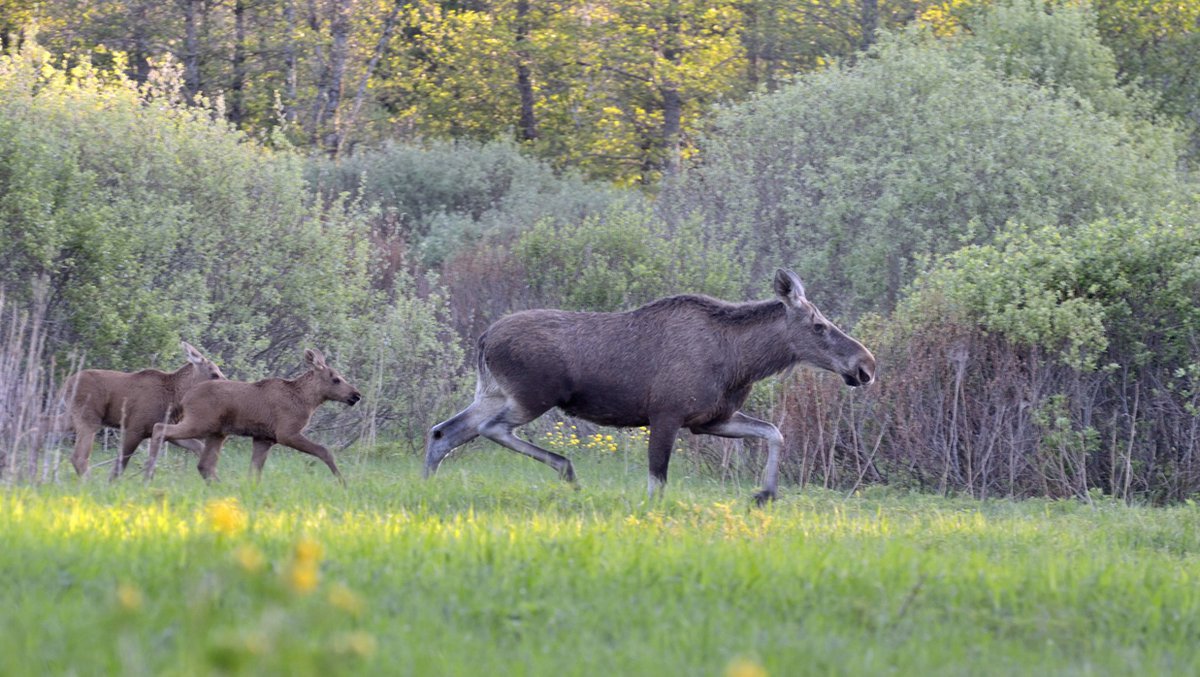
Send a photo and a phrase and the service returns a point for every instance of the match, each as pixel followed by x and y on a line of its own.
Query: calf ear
pixel 789 287
pixel 194 356
pixel 314 357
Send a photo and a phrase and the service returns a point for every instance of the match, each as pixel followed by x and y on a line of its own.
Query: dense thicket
pixel 924 145
pixel 147 220
pixel 1012 217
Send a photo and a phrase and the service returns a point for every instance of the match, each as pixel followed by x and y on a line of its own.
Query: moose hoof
pixel 567 473
pixel 762 498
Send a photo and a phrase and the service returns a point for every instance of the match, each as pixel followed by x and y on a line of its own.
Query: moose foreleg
pixel 741 426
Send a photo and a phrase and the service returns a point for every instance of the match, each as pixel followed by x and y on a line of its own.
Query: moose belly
pixel 612 410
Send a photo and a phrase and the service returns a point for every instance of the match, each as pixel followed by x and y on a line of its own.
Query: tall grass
pixel 29 396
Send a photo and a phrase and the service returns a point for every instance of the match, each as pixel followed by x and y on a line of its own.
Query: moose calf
pixel 270 411
pixel 678 362
pixel 133 402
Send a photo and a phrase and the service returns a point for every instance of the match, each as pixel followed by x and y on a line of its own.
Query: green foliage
pixel 447 195
pixel 296 575
pixel 153 221
pixel 1124 291
pixel 850 175
pixel 624 259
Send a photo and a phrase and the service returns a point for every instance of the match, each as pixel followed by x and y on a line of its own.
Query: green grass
pixel 494 567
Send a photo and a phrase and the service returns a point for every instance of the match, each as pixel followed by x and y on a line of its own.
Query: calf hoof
pixel 762 498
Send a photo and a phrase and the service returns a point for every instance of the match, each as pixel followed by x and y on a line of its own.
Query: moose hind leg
pixel 453 433
pixel 741 426
pixel 499 429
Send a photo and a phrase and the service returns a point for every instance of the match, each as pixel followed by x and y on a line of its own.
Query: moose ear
pixel 194 356
pixel 314 357
pixel 789 287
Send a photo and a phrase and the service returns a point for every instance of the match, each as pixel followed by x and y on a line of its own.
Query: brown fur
pixel 269 411
pixel 683 361
pixel 132 402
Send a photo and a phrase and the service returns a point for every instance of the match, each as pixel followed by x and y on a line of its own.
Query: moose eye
pixel 336 380
pixel 216 377
pixel 818 328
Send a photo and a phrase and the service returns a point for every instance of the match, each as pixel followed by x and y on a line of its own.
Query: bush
pixel 623 260
pixel 446 196
pixel 851 175
pixel 1044 364
pixel 152 220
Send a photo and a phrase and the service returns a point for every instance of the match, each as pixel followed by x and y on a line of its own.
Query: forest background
pixel 998 198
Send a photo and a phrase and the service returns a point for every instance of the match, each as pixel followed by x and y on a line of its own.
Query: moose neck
pixel 760 343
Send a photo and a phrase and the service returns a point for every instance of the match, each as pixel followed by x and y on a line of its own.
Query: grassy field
pixel 496 568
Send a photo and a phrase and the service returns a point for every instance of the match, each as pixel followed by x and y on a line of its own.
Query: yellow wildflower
pixel 301 577
pixel 249 558
pixel 129 597
pixel 307 551
pixel 347 600
pixel 358 643
pixel 745 667
pixel 225 516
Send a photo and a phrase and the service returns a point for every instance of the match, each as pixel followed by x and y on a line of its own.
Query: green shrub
pixel 624 259
pixel 443 196
pixel 851 175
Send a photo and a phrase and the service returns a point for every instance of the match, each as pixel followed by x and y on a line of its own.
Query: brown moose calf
pixel 270 411
pixel 133 402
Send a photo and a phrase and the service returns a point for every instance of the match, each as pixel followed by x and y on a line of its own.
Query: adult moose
pixel 678 362
pixel 133 402
pixel 269 411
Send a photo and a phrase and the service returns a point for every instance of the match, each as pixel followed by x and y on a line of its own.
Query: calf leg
pixel 261 448
pixel 85 435
pixel 740 426
pixel 209 457
pixel 301 443
pixel 192 445
pixel 184 430
pixel 129 444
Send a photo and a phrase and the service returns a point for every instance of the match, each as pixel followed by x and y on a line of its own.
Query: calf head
pixel 203 369
pixel 331 384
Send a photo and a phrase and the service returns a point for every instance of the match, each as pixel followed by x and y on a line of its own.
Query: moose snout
pixel 354 398
pixel 861 373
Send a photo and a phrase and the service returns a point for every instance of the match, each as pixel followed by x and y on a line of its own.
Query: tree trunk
pixel 868 22
pixel 289 59
pixel 191 48
pixel 237 86
pixel 672 100
pixel 329 91
pixel 528 124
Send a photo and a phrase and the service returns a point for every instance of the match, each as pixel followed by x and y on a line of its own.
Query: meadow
pixel 495 567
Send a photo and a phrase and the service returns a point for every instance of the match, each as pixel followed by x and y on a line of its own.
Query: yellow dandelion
pixel 129 598
pixel 342 597
pixel 307 550
pixel 358 643
pixel 301 577
pixel 249 558
pixel 225 516
pixel 745 667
